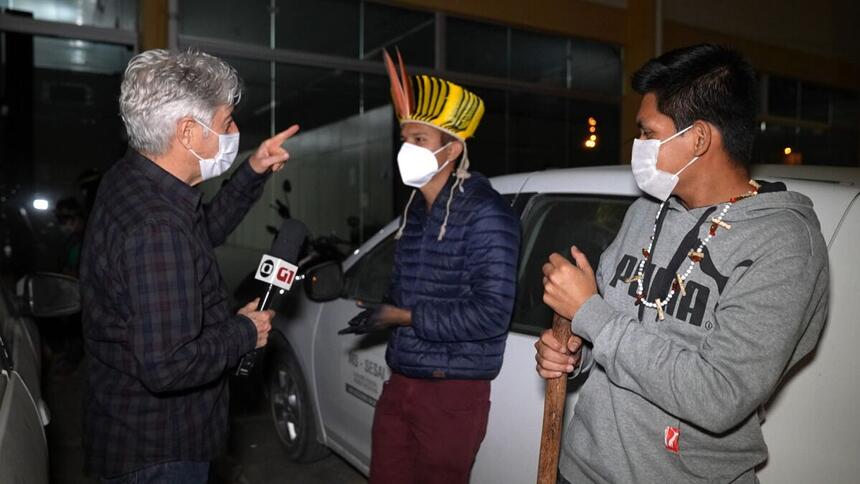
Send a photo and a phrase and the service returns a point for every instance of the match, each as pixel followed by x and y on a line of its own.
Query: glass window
pixel 822 132
pixel 814 102
pixel 225 20
pixel 59 130
pixel 5 306
pixel 846 108
pixel 410 31
pixel 6 362
pixel 782 97
pixel 538 58
pixel 477 48
pixel 253 115
pixel 369 278
pixel 488 149
pixel 843 147
pixel 538 126
pixel 607 128
pixel 75 91
pixel 80 56
pixel 121 14
pixel 552 132
pixel 343 155
pixel 552 224
pixel 315 97
pixel 322 26
pixel 595 67
pixel 771 142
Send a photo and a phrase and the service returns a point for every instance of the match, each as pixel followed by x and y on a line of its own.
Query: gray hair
pixel 161 87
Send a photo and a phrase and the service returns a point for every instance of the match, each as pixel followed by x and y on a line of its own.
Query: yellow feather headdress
pixel 442 105
pixel 434 101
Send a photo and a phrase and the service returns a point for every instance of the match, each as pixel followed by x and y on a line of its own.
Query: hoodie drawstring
pixel 403 219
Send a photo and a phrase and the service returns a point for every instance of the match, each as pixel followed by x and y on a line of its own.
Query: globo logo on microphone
pixel 276 271
pixel 267 267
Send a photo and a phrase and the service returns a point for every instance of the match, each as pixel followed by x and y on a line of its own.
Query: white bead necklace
pixel 696 256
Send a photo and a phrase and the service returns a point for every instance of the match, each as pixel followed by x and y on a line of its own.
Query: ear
pixel 185 131
pixel 455 150
pixel 703 133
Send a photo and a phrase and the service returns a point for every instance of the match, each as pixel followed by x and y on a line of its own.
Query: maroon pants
pixel 428 431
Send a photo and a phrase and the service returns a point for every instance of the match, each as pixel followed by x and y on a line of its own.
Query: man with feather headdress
pixel 451 295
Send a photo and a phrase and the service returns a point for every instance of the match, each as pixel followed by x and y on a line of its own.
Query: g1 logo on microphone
pixel 286 275
pixel 276 271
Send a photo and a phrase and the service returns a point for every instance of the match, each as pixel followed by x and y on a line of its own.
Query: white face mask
pixel 418 165
pixel 228 147
pixel 652 180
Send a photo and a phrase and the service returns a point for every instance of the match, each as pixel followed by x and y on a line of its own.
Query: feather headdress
pixel 436 102
pixel 440 104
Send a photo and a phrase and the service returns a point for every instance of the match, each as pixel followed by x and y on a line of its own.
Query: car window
pixel 369 277
pixel 553 223
pixel 5 316
pixel 5 306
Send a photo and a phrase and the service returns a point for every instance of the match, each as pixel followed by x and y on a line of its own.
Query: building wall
pixel 822 28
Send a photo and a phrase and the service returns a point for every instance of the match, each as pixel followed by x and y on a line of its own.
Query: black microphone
pixel 278 269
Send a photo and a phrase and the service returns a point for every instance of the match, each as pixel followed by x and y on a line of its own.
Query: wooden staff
pixel 553 411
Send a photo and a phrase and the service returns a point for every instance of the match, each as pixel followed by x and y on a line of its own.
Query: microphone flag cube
pixel 277 272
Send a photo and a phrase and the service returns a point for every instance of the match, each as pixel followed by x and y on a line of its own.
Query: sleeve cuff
pixel 248 335
pixel 591 318
pixel 585 362
pixel 246 177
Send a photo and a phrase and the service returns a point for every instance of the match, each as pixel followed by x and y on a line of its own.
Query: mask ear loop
pixel 201 123
pixel 442 148
pixel 679 133
pixel 688 164
pixel 195 154
pixel 670 138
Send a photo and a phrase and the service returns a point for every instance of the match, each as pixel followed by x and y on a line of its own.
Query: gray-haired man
pixel 159 334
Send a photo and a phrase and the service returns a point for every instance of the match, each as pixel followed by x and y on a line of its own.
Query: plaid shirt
pixel 159 332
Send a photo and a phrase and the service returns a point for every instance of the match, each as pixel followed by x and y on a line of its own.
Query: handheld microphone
pixel 278 269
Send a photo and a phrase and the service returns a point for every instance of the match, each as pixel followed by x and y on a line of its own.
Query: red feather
pixel 401 105
pixel 407 86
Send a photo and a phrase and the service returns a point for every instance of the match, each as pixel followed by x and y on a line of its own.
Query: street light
pixel 40 204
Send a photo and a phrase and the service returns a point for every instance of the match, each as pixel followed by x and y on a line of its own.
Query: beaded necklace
pixel 695 256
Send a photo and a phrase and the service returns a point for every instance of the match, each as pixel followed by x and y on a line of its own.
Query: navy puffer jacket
pixel 460 289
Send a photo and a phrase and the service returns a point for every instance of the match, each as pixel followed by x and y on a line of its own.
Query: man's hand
pixel 376 317
pixel 262 321
pixel 271 154
pixel 566 287
pixel 553 359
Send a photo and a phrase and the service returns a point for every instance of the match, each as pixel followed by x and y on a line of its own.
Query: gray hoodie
pixel 678 400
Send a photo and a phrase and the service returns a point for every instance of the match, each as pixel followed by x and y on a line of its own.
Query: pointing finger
pixel 284 135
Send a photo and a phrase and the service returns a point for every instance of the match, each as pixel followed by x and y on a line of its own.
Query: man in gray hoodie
pixel 715 286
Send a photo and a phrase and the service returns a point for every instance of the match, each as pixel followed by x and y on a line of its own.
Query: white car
pixel 23 413
pixel 323 386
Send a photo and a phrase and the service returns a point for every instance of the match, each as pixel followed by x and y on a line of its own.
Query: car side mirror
pixel 48 295
pixel 324 281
